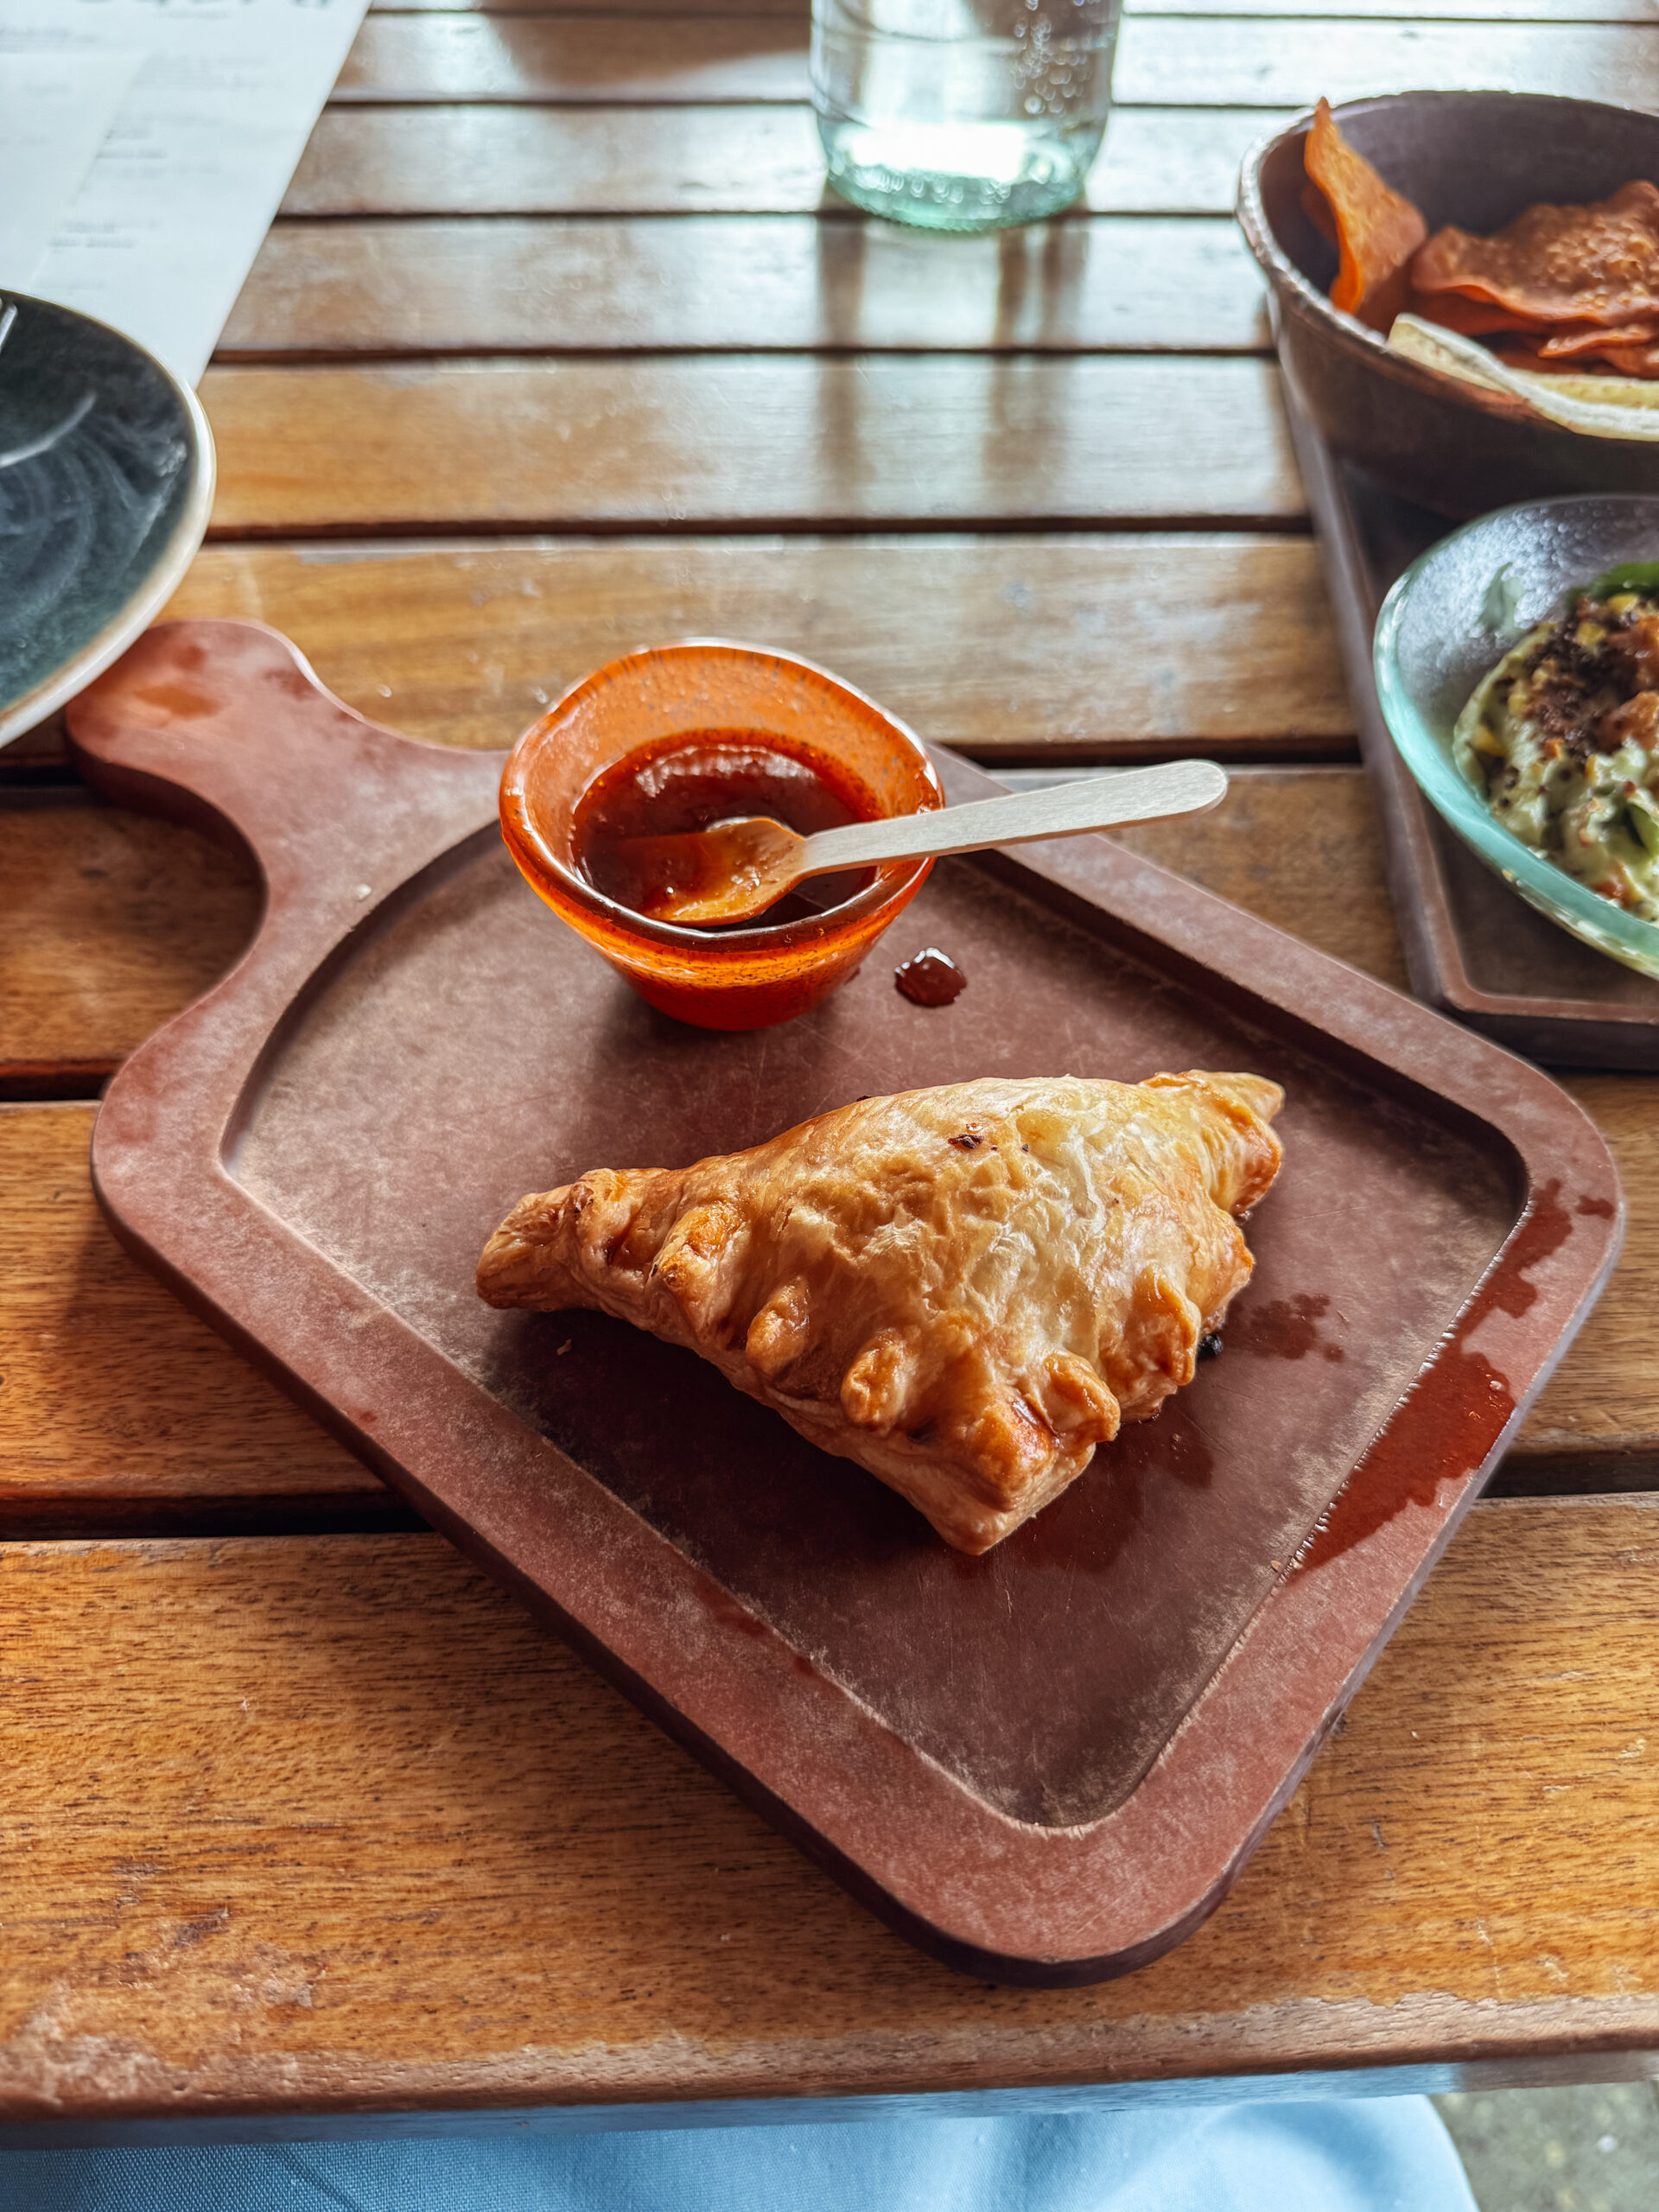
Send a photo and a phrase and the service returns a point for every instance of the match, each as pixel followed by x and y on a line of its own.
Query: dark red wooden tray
pixel 1047 1765
pixel 1474 948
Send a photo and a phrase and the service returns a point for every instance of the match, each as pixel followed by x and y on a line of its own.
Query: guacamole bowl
pixel 1446 624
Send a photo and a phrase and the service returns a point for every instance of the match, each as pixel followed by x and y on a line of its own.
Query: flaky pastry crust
pixel 965 1290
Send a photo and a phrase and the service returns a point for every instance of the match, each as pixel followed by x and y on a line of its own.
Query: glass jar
pixel 962 115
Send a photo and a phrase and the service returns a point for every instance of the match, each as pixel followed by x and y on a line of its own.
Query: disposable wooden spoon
pixel 735 870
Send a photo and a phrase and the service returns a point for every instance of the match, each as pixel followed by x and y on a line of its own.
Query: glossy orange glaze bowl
pixel 719 979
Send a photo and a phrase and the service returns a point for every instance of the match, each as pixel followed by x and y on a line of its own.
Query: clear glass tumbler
pixel 962 115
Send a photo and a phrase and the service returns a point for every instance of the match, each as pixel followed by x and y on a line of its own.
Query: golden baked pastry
pixel 966 1289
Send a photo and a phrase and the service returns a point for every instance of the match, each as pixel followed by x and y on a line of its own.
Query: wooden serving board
pixel 1474 948
pixel 1044 1765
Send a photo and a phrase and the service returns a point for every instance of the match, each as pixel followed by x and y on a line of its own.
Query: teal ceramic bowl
pixel 1451 618
pixel 106 476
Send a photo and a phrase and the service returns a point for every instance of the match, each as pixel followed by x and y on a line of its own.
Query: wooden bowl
pixel 1479 160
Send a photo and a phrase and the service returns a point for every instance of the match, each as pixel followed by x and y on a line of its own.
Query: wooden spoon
pixel 735 870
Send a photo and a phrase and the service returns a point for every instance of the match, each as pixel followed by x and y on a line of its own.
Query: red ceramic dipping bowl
pixel 724 979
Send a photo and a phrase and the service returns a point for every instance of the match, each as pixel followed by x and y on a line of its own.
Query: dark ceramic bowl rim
pixel 1251 210
pixel 32 708
pixel 884 891
pixel 1427 753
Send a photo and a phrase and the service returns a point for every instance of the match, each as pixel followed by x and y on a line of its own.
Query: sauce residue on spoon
pixel 697 778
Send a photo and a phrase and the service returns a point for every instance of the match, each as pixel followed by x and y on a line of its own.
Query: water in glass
pixel 962 115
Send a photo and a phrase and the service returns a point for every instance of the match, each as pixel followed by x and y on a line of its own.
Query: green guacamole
pixel 1561 740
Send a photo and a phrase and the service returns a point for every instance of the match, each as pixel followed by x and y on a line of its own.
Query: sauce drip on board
pixel 932 978
pixel 697 778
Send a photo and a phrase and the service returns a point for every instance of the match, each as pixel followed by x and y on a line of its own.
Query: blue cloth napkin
pixel 1361 2155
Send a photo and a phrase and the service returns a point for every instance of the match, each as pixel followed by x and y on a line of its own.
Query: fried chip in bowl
pixel 1634 356
pixel 1621 408
pixel 1377 230
pixel 1434 408
pixel 1479 318
pixel 1568 340
pixel 1560 285
pixel 1554 265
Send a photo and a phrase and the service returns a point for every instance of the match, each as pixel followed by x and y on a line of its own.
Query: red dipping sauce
pixel 932 978
pixel 699 778
pixel 674 738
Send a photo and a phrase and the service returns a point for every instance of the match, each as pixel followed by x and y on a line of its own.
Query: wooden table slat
pixel 731 283
pixel 458 159
pixel 1543 11
pixel 323 1825
pixel 619 61
pixel 1236 62
pixel 750 442
pixel 1394 11
pixel 796 10
pixel 997 645
pixel 1222 60
pixel 118 1408
pixel 109 924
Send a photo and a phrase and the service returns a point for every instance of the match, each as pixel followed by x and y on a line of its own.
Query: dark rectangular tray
pixel 1047 1765
pixel 1474 948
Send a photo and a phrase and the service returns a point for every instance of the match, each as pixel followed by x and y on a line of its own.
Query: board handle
pixel 219 724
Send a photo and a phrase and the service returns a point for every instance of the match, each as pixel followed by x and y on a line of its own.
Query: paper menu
pixel 55 110
pixel 165 226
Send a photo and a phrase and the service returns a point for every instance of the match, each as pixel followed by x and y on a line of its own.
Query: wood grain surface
pixel 109 924
pixel 1224 60
pixel 1235 62
pixel 1601 1409
pixel 749 442
pixel 117 1407
pixel 731 283
pixel 457 160
pixel 1589 11
pixel 1404 11
pixel 796 11
pixel 614 59
pixel 368 1840
pixel 1006 647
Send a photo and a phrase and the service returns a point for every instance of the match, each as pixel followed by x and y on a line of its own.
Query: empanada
pixel 966 1289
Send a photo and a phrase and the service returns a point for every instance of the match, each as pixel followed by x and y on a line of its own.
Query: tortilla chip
pixel 1624 408
pixel 1631 361
pixel 1524 349
pixel 1596 264
pixel 1317 208
pixel 1377 231
pixel 1570 339
pixel 1623 361
pixel 1475 318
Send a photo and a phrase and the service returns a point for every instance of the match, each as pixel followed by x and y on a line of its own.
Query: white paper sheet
pixel 54 112
pixel 172 211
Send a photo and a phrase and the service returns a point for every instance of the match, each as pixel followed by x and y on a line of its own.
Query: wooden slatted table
pixel 558 345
